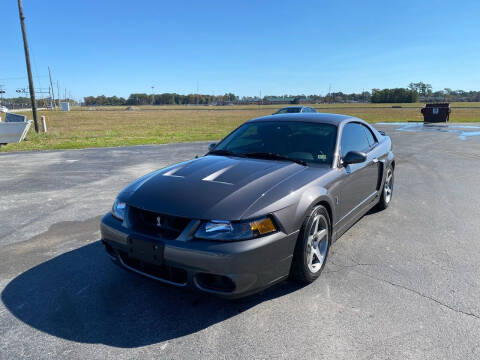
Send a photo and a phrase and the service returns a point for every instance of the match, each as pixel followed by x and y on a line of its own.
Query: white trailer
pixel 14 129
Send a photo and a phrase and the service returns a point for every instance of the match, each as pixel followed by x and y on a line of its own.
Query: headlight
pixel 118 209
pixel 235 230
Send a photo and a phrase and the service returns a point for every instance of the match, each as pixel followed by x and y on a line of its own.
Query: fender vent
pixel 381 166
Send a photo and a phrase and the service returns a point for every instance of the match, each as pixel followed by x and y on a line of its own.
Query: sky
pixel 245 47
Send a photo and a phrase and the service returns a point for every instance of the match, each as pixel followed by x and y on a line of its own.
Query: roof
pixel 328 118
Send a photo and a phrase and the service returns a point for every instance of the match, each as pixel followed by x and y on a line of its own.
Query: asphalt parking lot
pixel 401 284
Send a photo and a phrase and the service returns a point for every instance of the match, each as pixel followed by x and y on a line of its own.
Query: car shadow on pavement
pixel 81 296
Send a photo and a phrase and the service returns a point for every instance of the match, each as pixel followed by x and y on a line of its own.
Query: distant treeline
pixel 24 102
pixel 422 92
pixel 414 92
pixel 398 95
pixel 227 99
pixel 161 99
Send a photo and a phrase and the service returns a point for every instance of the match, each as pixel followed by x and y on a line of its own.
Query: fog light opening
pixel 110 250
pixel 214 282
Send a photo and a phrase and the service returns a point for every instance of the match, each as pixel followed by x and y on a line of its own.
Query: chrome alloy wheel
pixel 317 243
pixel 388 187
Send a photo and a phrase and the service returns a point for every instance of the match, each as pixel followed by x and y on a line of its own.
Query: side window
pixel 370 137
pixel 353 139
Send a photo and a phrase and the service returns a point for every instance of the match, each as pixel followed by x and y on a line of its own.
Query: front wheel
pixel 387 190
pixel 312 246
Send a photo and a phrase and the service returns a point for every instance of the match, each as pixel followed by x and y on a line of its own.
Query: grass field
pixel 113 126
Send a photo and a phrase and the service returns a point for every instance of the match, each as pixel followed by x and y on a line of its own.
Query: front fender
pixel 390 157
pixel 309 199
pixel 291 202
pixel 293 215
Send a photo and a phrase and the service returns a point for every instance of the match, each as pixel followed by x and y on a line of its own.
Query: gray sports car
pixel 262 205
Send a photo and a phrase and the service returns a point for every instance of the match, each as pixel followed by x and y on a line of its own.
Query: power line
pixel 22 77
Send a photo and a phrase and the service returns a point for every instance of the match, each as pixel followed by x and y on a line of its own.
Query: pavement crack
pixel 421 294
pixel 345 266
pixel 351 266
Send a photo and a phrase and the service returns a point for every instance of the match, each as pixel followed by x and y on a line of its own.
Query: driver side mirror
pixel 354 157
pixel 212 146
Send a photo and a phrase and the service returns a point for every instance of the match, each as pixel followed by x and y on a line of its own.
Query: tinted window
pixel 311 142
pixel 353 139
pixel 370 138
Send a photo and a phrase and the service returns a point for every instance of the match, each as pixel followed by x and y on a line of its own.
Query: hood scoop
pixel 173 171
pixel 213 177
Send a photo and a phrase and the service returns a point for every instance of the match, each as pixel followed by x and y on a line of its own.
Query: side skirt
pixel 338 231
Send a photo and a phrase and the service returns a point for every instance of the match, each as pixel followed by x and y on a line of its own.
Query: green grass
pixel 168 124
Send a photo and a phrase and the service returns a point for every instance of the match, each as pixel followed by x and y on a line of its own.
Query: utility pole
pixel 196 96
pixel 65 95
pixel 1 93
pixel 58 94
pixel 51 87
pixel 27 61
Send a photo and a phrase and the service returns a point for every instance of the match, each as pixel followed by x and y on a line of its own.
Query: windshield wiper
pixel 273 156
pixel 224 152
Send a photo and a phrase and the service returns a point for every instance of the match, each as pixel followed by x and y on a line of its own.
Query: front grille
pixel 161 225
pixel 162 272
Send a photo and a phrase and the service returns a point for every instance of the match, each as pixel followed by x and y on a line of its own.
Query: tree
pixel 421 88
pixel 397 95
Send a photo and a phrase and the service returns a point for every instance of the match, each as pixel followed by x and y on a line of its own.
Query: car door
pixel 359 183
pixel 374 156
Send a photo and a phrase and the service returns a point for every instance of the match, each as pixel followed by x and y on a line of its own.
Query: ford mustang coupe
pixel 262 205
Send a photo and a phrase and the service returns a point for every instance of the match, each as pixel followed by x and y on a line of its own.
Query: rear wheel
pixel 387 190
pixel 312 246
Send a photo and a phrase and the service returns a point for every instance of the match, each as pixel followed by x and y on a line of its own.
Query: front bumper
pixel 228 269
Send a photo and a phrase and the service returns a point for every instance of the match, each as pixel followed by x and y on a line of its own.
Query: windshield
pixel 289 110
pixel 310 142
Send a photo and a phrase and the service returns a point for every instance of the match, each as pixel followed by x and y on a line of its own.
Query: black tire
pixel 386 196
pixel 300 270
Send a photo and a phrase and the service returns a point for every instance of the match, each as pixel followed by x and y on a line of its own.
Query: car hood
pixel 210 187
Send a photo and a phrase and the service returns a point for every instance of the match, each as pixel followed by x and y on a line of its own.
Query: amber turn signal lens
pixel 263 226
